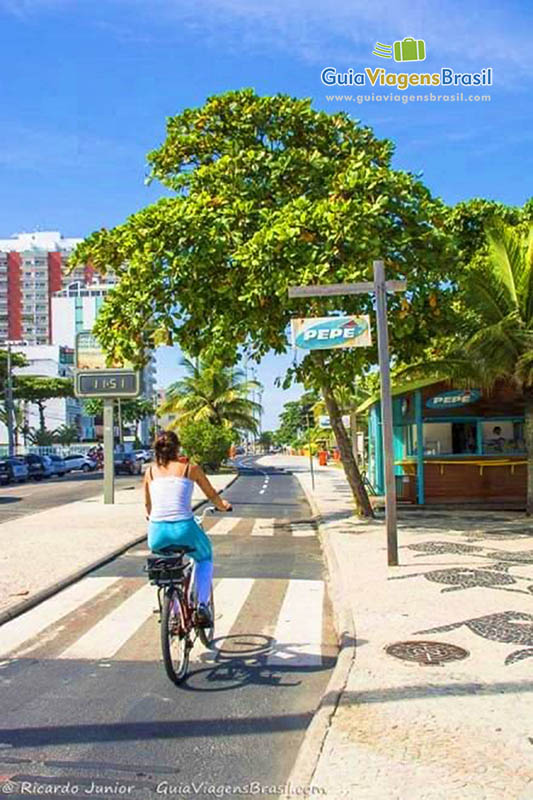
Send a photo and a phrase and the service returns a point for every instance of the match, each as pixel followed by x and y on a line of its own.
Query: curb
pixel 310 750
pixel 44 594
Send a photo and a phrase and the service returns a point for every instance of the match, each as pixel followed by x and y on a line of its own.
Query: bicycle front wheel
pixel 174 639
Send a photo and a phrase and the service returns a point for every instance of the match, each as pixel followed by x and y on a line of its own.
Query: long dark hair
pixel 166 448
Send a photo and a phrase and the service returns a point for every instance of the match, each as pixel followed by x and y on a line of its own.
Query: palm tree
pixel 498 340
pixel 214 393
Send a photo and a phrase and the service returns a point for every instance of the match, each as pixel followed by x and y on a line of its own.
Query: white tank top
pixel 171 499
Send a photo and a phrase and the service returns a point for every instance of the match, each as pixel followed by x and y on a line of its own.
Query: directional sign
pixel 107 383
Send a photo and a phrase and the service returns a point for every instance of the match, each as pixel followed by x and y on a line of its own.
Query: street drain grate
pixel 427 652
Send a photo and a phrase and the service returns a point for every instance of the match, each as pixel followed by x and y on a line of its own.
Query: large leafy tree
pixel 38 389
pixel 495 342
pixel 211 392
pixel 271 193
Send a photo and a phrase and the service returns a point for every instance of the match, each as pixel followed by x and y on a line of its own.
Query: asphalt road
pixel 87 707
pixel 19 499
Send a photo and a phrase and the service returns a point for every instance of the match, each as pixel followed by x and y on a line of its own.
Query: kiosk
pixel 452 445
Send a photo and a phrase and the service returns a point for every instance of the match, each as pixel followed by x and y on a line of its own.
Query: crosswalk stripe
pixel 223 526
pixel 302 530
pixel 298 634
pixel 230 596
pixel 107 636
pixel 263 527
pixel 28 625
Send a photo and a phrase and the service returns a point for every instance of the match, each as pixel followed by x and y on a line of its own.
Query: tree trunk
pixel 40 406
pixel 353 431
pixel 528 435
pixel 343 443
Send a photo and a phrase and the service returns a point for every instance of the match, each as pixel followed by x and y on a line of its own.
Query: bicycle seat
pixel 173 550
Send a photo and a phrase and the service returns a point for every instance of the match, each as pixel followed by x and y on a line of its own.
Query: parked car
pixel 4 471
pixel 58 465
pixel 128 463
pixel 39 467
pixel 144 455
pixel 17 469
pixel 79 461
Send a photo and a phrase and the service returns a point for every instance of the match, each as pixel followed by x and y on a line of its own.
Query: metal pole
pixel 119 410
pixel 386 413
pixel 9 403
pixel 109 452
pixel 310 454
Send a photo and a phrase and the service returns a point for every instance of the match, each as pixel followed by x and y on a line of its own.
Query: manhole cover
pixel 427 652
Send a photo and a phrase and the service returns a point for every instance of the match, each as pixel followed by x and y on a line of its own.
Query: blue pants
pixel 186 532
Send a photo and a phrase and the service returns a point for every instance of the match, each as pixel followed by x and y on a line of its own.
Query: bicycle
pixel 176 598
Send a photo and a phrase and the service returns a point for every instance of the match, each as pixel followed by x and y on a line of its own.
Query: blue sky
pixel 87 87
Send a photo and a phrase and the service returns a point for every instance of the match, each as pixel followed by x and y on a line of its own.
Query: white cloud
pixel 478 33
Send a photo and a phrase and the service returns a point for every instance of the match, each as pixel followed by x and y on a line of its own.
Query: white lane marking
pixel 298 634
pixel 263 527
pixel 28 625
pixel 223 526
pixel 230 596
pixel 105 638
pixel 262 491
pixel 303 530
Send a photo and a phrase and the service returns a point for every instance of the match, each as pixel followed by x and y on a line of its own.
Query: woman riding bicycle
pixel 168 488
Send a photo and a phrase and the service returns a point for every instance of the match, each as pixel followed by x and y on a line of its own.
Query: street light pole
pixel 379 287
pixel 9 403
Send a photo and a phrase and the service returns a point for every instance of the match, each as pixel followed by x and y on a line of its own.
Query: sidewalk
pixel 42 552
pixel 456 730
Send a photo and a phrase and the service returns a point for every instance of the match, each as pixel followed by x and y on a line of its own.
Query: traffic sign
pixel 107 383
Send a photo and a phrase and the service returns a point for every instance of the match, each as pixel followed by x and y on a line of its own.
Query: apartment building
pixel 32 269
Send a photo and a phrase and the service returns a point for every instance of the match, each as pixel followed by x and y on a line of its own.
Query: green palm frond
pixel 500 293
pixel 214 393
pixel 506 258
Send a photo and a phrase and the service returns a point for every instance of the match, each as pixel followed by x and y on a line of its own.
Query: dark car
pixel 39 467
pixel 128 463
pixel 4 471
pixel 58 465
pixel 17 469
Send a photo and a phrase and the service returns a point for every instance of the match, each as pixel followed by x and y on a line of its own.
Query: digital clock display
pixel 107 383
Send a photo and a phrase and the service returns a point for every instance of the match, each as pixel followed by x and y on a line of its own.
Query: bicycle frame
pixel 181 592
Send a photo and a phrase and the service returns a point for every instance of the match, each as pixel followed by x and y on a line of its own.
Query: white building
pixel 75 309
pixel 164 421
pixel 50 361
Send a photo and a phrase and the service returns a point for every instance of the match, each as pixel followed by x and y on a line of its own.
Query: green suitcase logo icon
pixel 410 49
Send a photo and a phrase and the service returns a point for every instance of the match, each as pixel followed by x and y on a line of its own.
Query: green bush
pixel 205 443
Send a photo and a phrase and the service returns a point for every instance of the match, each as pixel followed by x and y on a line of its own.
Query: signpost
pixel 380 287
pixel 94 378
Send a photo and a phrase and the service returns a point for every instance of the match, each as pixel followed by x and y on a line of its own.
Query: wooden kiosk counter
pixel 452 445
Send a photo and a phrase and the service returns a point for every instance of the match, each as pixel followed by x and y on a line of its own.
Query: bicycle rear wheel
pixel 174 639
pixel 206 635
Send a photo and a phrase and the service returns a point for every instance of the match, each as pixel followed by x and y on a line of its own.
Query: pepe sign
pixel 331 333
pixel 454 399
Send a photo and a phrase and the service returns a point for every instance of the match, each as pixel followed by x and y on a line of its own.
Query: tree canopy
pixel 272 193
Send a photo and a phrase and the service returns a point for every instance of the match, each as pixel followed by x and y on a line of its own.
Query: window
pixel 503 436
pixel 445 438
